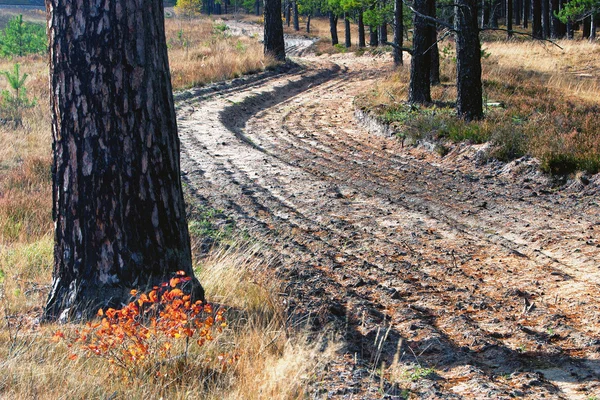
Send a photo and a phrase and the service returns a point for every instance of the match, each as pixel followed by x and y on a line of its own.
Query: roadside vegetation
pixel 539 100
pixel 264 357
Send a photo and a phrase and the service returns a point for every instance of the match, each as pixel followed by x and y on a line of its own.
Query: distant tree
pixel 188 8
pixel 20 38
pixel 398 32
pixel 585 11
pixel 118 208
pixel 273 30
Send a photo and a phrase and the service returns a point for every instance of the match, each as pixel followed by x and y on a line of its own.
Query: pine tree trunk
pixel 257 7
pixel 434 73
pixel 273 30
pixel 469 102
pixel 383 34
pixel 526 8
pixel 117 196
pixel 333 19
pixel 296 17
pixel 509 15
pixel 536 20
pixel 593 27
pixel 585 31
pixel 485 13
pixel 398 31
pixel 361 30
pixel 419 87
pixel 347 32
pixel 495 13
pixel 308 24
pixel 288 12
pixel 545 19
pixel 373 38
pixel 517 11
pixel 556 24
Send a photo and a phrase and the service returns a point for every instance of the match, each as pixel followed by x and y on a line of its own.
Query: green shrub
pixel 13 104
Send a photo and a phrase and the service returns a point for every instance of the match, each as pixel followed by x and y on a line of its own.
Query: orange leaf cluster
pixel 145 330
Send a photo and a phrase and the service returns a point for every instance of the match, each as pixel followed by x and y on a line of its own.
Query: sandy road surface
pixel 490 279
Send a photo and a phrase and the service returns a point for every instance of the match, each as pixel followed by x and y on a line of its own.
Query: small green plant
pixel 340 47
pixel 13 104
pixel 418 373
pixel 21 38
pixel 220 28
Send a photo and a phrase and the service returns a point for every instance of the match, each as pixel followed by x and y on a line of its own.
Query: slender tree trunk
pixel 509 15
pixel 536 20
pixel 593 27
pixel 556 24
pixel 118 203
pixel 361 30
pixel 308 24
pixel 383 34
pixel 517 11
pixel 526 8
pixel 288 12
pixel 226 6
pixel 333 19
pixel 545 19
pixel 273 30
pixel 398 31
pixel 434 73
pixel 585 31
pixel 373 38
pixel 485 13
pixel 420 87
pixel 296 17
pixel 570 33
pixel 495 13
pixel 347 31
pixel 469 102
pixel 257 7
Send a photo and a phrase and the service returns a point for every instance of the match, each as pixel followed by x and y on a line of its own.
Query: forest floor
pixel 443 278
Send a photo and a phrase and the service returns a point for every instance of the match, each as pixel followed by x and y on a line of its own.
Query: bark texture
pixel 117 197
pixel 469 102
pixel 398 31
pixel 420 88
pixel 273 36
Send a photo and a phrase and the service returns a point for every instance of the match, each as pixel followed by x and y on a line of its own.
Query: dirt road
pixel 487 276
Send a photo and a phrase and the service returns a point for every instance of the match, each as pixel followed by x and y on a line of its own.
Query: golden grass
pixel 272 361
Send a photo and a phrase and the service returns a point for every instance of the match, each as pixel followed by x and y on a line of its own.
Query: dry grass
pixel 549 104
pixel 272 362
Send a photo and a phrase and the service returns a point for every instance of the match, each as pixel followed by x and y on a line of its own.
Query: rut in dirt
pixel 491 282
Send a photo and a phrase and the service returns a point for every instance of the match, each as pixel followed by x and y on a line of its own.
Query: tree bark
pixel 348 39
pixel 434 73
pixel 556 24
pixel 273 30
pixel 545 19
pixel 526 8
pixel 333 19
pixel 398 31
pixel 517 11
pixel 585 31
pixel 593 27
pixel 495 13
pixel 373 38
pixel 536 20
pixel 296 17
pixel 288 12
pixel 419 90
pixel 257 7
pixel 118 204
pixel 469 102
pixel 509 15
pixel 361 30
pixel 485 13
pixel 383 34
pixel 308 24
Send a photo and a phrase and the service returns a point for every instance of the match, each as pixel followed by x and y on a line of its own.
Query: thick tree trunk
pixel 373 38
pixel 398 31
pixel 117 196
pixel 536 20
pixel 361 30
pixel 348 39
pixel 296 17
pixel 585 31
pixel 545 19
pixel 273 30
pixel 469 102
pixel 308 24
pixel 420 88
pixel 509 15
pixel 333 19
pixel 434 73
